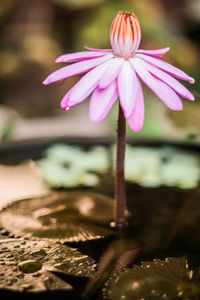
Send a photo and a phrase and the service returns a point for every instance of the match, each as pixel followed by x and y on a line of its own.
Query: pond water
pixel 156 256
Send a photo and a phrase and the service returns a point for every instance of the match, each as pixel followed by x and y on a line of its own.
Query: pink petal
pixel 65 101
pixel 136 119
pixel 166 67
pixel 127 87
pixel 75 69
pixel 101 102
pixel 111 73
pixel 101 50
pixel 156 53
pixel 87 84
pixel 161 89
pixel 78 56
pixel 172 82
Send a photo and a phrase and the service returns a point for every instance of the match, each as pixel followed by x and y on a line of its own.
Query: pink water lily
pixel 118 72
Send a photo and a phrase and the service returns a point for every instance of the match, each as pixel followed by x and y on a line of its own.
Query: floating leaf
pixel 169 166
pixel 64 216
pixel 120 253
pixel 25 264
pixel 161 279
pixel 70 166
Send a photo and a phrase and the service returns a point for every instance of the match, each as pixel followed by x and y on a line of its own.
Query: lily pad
pixel 63 216
pixel 168 166
pixel 70 166
pixel 24 265
pixel 161 279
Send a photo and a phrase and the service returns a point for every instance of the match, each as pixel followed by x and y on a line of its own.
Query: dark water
pixel 164 221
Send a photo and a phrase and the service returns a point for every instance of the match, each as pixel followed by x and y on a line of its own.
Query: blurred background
pixel 34 33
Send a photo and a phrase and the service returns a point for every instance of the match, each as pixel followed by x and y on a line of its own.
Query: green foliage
pixel 25 264
pixel 161 279
pixel 152 167
pixel 70 166
pixel 62 217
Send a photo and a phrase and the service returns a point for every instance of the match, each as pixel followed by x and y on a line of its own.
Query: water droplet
pixel 39 253
pixel 37 275
pixel 4 233
pixel 58 259
pixel 15 270
pixel 47 283
pixel 135 285
pixel 12 236
pixel 29 266
pixel 58 251
pixel 148 266
pixel 190 274
pixel 27 287
pixel 180 294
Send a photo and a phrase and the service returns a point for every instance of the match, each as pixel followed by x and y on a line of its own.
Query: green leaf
pixel 70 166
pixel 168 166
pixel 161 279
pixel 24 265
pixel 63 216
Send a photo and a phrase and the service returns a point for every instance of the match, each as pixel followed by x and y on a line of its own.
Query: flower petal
pixel 75 69
pixel 101 102
pixel 166 67
pixel 127 87
pixel 65 100
pixel 111 73
pixel 87 84
pixel 157 53
pixel 136 119
pixel 101 50
pixel 161 89
pixel 78 56
pixel 171 81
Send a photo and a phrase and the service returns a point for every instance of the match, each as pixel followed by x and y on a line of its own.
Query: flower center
pixel 125 34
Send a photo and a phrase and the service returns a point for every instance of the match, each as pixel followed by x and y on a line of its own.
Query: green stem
pixel 120 181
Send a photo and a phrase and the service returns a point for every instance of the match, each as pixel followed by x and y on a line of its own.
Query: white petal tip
pixel 46 82
pixel 94 120
pixel 177 108
pixel 137 129
pixel 64 105
pixel 191 97
pixel 191 80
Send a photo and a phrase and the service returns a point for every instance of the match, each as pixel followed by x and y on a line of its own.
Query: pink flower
pixel 116 72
